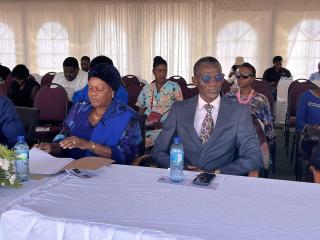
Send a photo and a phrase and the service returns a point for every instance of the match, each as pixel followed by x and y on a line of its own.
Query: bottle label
pixel 21 155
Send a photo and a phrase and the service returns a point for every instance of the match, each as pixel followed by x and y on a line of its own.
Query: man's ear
pixel 194 80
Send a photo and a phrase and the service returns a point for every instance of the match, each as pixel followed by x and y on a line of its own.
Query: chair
pixel 133 92
pixel 3 90
pixel 180 80
pixel 296 88
pixel 52 103
pixel 190 91
pixel 263 87
pixel 129 80
pixel 8 81
pixel 47 78
pixel 225 87
pixel 29 119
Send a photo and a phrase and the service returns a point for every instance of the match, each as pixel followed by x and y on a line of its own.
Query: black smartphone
pixel 204 179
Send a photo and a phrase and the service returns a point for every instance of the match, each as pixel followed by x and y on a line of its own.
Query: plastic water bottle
pixel 21 150
pixel 176 160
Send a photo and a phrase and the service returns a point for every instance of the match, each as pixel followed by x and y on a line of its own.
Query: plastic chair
pixel 29 119
pixel 52 102
pixel 133 92
pixel 180 80
pixel 129 80
pixel 190 91
pixel 296 88
pixel 47 78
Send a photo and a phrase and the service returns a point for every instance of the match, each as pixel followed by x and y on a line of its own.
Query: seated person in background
pixel 72 78
pixel 217 134
pixel 273 74
pixel 158 96
pixel 315 75
pixel 10 124
pixel 85 63
pixel 102 127
pixel 315 158
pixel 232 75
pixel 24 88
pixel 258 104
pixel 308 116
pixel 4 72
pixel 82 95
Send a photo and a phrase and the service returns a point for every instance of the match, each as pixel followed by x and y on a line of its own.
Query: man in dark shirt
pixel 273 74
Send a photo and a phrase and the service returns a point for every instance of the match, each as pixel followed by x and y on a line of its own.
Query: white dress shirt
pixel 201 112
pixel 78 83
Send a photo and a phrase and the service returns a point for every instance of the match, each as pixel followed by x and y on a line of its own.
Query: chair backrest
pixel 47 78
pixel 263 87
pixel 142 123
pixel 190 91
pixel 52 102
pixel 8 81
pixel 296 88
pixel 180 80
pixel 225 87
pixel 133 92
pixel 29 119
pixel 129 80
pixel 3 90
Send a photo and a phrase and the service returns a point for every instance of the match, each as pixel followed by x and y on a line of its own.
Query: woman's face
pixel 160 73
pixel 245 77
pixel 99 92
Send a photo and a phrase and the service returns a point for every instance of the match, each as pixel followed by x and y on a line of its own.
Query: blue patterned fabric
pixel 118 129
pixel 259 106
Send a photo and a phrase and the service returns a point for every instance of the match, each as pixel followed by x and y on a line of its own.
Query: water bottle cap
pixel 176 140
pixel 20 138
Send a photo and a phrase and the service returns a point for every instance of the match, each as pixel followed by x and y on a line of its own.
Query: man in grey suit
pixel 216 133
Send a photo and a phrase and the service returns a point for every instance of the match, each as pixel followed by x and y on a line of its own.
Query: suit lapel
pixel 189 114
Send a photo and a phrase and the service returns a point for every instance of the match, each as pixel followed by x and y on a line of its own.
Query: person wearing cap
pixel 217 134
pixel 103 126
pixel 232 75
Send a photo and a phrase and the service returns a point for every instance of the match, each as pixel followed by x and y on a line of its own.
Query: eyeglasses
pixel 243 76
pixel 206 78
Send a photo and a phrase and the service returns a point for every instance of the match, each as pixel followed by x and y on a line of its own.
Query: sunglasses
pixel 206 78
pixel 243 76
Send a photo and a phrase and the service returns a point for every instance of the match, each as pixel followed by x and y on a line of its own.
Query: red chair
pixel 47 78
pixel 129 80
pixel 296 88
pixel 190 91
pixel 225 87
pixel 133 92
pixel 180 80
pixel 263 87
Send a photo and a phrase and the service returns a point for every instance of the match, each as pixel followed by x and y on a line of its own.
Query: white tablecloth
pixel 282 98
pixel 126 202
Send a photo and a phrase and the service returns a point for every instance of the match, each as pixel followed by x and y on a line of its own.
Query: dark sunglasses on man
pixel 206 78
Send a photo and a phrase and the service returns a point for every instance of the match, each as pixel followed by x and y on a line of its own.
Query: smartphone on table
pixel 204 179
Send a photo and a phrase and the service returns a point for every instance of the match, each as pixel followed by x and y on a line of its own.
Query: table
pixel 127 202
pixel 282 98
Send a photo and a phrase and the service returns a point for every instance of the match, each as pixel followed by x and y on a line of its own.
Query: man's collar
pixel 215 103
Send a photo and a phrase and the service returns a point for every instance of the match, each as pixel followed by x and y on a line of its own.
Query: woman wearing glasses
pixel 258 103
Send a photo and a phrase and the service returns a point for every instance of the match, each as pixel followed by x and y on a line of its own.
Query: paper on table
pixel 42 162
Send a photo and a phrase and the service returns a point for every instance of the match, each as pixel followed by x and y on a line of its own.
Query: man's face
pixel 85 65
pixel 277 65
pixel 70 73
pixel 209 80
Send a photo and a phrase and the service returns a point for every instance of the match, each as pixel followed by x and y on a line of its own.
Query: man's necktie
pixel 207 125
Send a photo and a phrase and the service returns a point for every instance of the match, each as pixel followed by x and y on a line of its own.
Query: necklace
pixel 244 101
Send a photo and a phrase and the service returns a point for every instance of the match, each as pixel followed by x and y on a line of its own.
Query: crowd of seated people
pixel 99 123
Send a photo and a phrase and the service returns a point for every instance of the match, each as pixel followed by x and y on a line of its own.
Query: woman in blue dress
pixel 103 126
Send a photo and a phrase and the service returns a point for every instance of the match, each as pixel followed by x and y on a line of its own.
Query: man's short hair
pixel 252 68
pixel 277 59
pixel 71 62
pixel 100 59
pixel 206 60
pixel 85 58
pixel 20 71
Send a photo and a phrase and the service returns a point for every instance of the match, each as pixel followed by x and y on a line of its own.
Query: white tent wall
pixel 133 32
